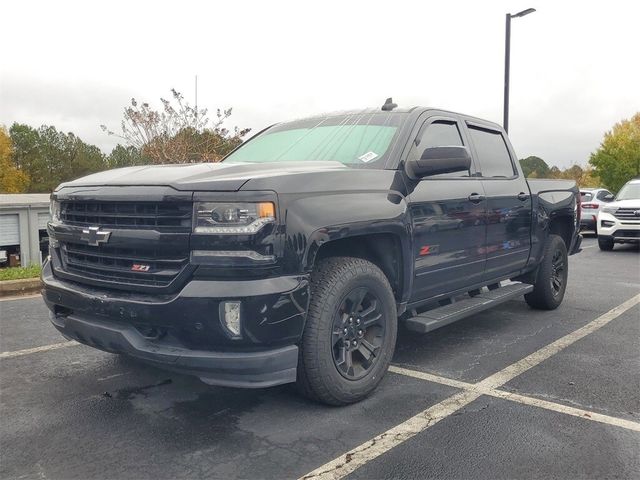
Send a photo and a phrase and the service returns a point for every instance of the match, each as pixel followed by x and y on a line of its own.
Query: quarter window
pixel 492 152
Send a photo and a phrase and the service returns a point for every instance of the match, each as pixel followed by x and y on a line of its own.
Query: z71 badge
pixel 138 267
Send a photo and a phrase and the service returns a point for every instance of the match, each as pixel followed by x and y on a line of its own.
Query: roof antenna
pixel 389 105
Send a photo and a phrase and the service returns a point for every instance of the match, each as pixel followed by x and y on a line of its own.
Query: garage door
pixel 9 229
pixel 43 218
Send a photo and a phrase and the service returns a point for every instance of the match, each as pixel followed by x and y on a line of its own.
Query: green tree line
pixel 613 164
pixel 38 159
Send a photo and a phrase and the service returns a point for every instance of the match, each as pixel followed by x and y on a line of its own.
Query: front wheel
pixel 605 244
pixel 552 276
pixel 350 334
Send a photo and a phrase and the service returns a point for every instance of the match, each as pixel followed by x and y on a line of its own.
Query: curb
pixel 23 286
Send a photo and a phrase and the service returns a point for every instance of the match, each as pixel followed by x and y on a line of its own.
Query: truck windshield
pixel 357 140
pixel 631 191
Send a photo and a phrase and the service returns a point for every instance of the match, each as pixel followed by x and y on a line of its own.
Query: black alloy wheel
pixel 557 272
pixel 357 334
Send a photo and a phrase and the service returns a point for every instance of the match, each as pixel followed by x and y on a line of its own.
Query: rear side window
pixel 493 155
pixel 440 133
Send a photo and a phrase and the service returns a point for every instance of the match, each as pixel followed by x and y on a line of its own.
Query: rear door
pixel 508 202
pixel 448 218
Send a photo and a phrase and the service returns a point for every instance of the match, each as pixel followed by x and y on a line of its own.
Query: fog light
pixel 230 318
pixel 606 223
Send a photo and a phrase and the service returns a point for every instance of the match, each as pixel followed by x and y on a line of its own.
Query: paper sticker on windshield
pixel 367 157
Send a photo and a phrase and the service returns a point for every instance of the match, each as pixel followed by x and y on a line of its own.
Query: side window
pixel 601 194
pixel 440 133
pixel 493 154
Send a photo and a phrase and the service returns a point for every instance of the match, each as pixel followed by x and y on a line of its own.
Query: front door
pixel 448 218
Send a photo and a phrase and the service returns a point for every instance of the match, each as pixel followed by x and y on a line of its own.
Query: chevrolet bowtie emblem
pixel 94 237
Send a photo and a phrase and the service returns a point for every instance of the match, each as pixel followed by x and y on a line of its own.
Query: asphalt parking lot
pixel 509 393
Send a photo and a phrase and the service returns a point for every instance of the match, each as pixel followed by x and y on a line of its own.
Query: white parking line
pixel 514 397
pixel 512 371
pixel 558 407
pixel 44 348
pixel 355 458
pixel 20 297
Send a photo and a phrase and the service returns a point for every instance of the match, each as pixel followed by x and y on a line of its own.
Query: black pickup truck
pixel 295 259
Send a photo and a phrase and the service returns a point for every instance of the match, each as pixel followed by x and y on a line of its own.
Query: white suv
pixel 591 201
pixel 619 221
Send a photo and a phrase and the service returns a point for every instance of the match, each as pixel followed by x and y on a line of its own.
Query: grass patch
pixel 16 273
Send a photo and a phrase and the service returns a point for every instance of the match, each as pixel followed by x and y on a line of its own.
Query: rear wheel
pixel 552 276
pixel 605 244
pixel 350 334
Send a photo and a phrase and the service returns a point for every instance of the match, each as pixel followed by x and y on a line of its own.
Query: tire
pixel 605 244
pixel 324 373
pixel 552 276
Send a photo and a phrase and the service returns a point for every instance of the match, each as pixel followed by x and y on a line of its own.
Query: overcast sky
pixel 575 65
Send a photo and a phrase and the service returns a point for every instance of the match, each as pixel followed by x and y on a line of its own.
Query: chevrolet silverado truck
pixel 296 258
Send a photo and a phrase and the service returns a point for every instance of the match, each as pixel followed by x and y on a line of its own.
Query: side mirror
pixel 609 197
pixel 436 160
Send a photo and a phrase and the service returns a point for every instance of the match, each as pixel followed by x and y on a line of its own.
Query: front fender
pixel 313 220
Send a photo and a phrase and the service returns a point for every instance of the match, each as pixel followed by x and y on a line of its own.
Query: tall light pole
pixel 507 54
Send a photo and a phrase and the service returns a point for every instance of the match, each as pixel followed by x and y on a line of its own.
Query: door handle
pixel 476 198
pixel 523 196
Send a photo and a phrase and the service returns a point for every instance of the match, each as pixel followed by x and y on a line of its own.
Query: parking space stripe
pixel 509 373
pixel 355 458
pixel 429 377
pixel 514 397
pixel 44 348
pixel 20 297
pixel 558 407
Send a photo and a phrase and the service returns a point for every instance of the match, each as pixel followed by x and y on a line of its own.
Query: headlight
pixel 610 209
pixel 232 218
pixel 54 210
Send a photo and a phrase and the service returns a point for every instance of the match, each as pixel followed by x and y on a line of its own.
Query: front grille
pixel 627 233
pixel 161 216
pixel 125 260
pixel 627 214
pixel 115 264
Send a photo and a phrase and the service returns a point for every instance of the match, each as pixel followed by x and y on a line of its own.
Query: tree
pixel 536 166
pixel 617 160
pixel 127 156
pixel 179 133
pixel 12 179
pixel 50 157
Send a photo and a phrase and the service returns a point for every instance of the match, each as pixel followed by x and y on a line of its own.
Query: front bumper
pixel 183 332
pixel 620 231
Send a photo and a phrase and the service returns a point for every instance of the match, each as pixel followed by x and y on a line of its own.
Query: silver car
pixel 591 201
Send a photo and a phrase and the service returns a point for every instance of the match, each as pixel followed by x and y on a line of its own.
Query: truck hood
pixel 632 203
pixel 201 176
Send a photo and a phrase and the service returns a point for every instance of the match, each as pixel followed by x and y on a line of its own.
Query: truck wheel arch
pixel 563 226
pixel 385 250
